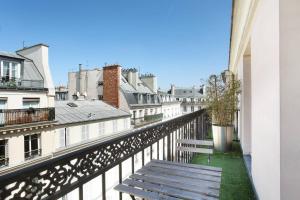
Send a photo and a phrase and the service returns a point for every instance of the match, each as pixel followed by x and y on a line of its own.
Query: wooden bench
pixel 165 180
pixel 188 145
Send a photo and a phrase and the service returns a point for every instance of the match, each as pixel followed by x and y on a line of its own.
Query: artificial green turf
pixel 235 182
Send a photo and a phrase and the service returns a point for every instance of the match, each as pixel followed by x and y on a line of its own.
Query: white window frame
pixel 101 128
pixel 115 126
pixel 84 132
pixel 10 65
pixel 5 152
pixel 29 145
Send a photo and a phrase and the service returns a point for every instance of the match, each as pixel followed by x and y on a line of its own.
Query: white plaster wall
pixel 246 106
pixel 15 99
pixel 265 101
pixel 16 150
pixel 289 98
pixel 47 142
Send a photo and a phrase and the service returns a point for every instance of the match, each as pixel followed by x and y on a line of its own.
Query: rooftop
pixel 67 112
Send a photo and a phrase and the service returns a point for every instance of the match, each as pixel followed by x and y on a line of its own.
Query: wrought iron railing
pixel 32 154
pixel 3 161
pixel 24 116
pixel 53 178
pixel 15 83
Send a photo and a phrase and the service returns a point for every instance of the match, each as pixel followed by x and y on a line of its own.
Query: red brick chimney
pixel 111 84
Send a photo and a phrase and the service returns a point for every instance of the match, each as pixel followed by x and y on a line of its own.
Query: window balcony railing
pixel 32 154
pixel 14 83
pixel 3 161
pixel 56 177
pixel 24 116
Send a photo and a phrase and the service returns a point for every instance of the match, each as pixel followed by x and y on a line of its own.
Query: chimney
pixel 150 80
pixel 80 83
pixel 39 54
pixel 133 76
pixel 172 89
pixel 111 84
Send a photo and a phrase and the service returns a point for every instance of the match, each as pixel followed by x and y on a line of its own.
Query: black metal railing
pixel 32 154
pixel 17 83
pixel 54 178
pixel 4 161
pixel 24 116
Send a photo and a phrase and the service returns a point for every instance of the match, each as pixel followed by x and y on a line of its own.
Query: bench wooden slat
pixel 196 142
pixel 188 165
pixel 183 174
pixel 195 150
pixel 186 169
pixel 183 180
pixel 141 193
pixel 202 189
pixel 169 191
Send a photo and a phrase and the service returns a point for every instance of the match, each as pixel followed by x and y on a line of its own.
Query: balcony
pixel 83 172
pixel 10 117
pixel 20 84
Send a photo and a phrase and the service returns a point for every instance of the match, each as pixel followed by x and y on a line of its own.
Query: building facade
pixel 264 50
pixel 26 104
pixel 191 98
pixel 35 127
pixel 61 93
pixel 122 88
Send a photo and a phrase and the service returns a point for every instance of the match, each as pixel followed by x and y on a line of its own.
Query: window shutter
pixel 61 137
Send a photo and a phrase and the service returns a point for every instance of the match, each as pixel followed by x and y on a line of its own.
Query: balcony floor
pixel 235 181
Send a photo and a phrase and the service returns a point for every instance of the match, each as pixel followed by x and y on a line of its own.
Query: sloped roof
pixel 85 110
pixel 141 87
pixel 11 55
pixel 188 92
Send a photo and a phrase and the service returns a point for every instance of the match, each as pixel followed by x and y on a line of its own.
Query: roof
pixel 11 55
pixel 188 92
pixel 85 110
pixel 141 87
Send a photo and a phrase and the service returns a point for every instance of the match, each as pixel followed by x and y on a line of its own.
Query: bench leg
pixel 208 159
pixel 132 197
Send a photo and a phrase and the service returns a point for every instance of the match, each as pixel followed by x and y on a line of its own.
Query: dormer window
pixel 9 70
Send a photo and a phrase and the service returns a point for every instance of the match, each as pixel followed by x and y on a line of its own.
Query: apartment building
pixel 26 104
pixel 169 105
pixel 191 98
pixel 35 127
pixel 123 88
pixel 61 93
pixel 264 55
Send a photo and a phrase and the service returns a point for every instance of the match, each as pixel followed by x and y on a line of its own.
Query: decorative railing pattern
pixel 56 177
pixel 24 116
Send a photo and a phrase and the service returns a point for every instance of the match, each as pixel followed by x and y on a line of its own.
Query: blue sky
pixel 180 41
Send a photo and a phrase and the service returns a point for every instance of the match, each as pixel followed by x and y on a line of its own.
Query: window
pixel 3 104
pixel 125 121
pixel 63 137
pixel 31 102
pixel 184 109
pixel 192 108
pixel 115 126
pixel 199 107
pixel 84 132
pixel 32 146
pixel 101 128
pixel 3 153
pixel 10 70
pixel 140 113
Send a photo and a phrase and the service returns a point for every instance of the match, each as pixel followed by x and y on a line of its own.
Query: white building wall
pixel 289 21
pixel 265 101
pixel 15 99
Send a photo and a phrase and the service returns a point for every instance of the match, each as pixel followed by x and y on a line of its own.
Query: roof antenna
pixel 23 44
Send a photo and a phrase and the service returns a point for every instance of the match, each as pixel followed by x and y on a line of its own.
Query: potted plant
pixel 222 100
